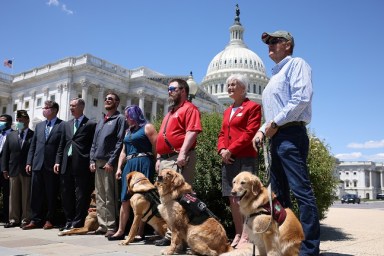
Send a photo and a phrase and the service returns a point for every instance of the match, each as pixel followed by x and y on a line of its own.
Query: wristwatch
pixel 274 125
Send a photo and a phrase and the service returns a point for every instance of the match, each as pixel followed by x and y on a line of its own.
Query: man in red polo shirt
pixel 177 137
pixel 178 133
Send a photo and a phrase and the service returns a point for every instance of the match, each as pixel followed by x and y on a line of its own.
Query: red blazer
pixel 236 134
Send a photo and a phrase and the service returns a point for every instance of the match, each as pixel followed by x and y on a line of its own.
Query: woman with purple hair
pixel 138 155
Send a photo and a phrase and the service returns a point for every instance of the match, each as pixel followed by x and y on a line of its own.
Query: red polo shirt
pixel 185 118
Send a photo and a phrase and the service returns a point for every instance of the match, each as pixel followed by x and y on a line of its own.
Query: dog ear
pixel 177 179
pixel 256 185
pixel 129 178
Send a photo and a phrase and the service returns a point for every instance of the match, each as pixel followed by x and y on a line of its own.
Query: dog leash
pixel 266 154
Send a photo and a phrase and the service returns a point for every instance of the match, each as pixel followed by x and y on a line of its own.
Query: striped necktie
pixel 47 129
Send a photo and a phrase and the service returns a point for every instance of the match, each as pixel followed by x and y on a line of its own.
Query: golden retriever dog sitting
pixel 275 231
pixel 144 201
pixel 204 236
pixel 90 224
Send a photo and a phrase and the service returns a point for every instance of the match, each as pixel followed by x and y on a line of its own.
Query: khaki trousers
pixel 107 193
pixel 20 198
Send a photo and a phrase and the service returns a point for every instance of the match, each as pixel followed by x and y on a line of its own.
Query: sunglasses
pixel 172 88
pixel 108 98
pixel 276 40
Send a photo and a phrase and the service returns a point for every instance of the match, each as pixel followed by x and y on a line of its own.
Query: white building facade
pixel 90 78
pixel 363 178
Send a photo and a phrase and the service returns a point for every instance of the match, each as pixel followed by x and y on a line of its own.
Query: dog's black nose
pixel 159 179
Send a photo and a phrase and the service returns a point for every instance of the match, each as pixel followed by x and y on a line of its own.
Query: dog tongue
pixel 236 199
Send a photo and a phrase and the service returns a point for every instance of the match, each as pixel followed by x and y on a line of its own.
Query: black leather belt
pixel 166 156
pixel 295 123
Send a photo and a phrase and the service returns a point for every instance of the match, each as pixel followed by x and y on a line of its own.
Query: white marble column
pixel 100 101
pixel 32 105
pixel 154 109
pixel 21 101
pixel 9 105
pixel 141 100
pixel 370 179
pixel 128 102
pixel 166 105
pixel 84 93
pixel 46 95
pixel 62 106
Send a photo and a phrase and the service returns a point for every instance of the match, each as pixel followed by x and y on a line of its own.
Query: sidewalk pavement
pixel 345 232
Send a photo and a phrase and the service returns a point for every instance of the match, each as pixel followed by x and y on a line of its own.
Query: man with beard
pixel 105 151
pixel 178 134
pixel 42 157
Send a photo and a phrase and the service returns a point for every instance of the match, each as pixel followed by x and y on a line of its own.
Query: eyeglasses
pixel 47 107
pixel 108 98
pixel 276 40
pixel 172 88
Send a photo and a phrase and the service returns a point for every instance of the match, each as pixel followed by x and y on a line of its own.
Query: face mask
pixel 2 125
pixel 19 125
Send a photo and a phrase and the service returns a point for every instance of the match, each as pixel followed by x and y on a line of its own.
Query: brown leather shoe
pixel 31 225
pixel 48 225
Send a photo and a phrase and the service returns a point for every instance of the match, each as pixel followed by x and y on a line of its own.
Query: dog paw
pixel 167 252
pixel 125 242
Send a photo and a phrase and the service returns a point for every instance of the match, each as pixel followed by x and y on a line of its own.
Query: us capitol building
pixel 90 78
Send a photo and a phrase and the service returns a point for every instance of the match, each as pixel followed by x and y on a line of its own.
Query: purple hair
pixel 134 112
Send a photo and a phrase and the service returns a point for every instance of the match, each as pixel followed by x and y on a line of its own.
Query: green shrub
pixel 207 182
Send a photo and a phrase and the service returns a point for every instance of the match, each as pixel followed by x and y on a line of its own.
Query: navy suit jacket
pixel 81 143
pixel 14 156
pixel 43 152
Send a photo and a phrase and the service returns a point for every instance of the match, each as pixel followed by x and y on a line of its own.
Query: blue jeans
pixel 289 151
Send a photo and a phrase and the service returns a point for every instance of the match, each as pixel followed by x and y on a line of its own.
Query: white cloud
pixel 367 144
pixel 379 157
pixel 64 8
pixel 53 2
pixel 349 156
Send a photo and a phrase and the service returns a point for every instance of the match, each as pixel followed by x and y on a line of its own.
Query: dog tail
pixel 246 250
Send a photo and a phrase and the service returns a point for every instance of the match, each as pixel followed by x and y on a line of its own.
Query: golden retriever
pixel 270 237
pixel 144 208
pixel 90 224
pixel 206 238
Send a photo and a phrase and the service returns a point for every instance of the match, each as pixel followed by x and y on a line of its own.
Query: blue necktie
pixel 21 138
pixel 47 129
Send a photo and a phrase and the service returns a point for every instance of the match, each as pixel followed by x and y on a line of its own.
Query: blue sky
pixel 340 39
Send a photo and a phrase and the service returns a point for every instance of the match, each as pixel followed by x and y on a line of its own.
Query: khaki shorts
pixel 188 171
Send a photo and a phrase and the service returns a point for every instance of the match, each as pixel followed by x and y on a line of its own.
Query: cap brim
pixel 265 37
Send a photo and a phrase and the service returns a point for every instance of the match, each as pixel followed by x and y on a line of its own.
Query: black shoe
pixel 11 225
pixel 66 227
pixel 163 242
pixel 115 238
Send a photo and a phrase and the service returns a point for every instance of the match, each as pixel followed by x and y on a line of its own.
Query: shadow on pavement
pixel 333 234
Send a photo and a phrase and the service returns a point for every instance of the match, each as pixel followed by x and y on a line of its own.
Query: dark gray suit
pixel 77 181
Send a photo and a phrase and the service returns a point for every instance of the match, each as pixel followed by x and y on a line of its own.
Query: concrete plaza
pixel 348 230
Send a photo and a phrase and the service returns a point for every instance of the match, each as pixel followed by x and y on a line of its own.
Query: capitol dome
pixel 235 58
